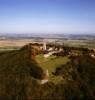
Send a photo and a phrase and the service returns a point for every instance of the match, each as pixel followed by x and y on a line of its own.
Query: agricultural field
pixel 50 64
pixel 8 48
pixel 80 43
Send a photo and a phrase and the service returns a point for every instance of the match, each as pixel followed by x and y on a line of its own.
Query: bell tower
pixel 44 46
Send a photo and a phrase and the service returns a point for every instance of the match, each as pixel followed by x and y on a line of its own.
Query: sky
pixel 47 16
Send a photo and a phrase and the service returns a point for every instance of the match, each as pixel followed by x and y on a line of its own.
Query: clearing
pixel 51 63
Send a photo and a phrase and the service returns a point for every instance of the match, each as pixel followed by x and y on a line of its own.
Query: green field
pixel 51 63
pixel 7 48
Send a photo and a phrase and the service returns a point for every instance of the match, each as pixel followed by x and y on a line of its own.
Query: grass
pixel 51 63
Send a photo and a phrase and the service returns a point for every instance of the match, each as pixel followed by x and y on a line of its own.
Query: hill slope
pixel 17 68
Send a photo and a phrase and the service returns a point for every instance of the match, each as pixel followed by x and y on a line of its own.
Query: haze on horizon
pixel 47 16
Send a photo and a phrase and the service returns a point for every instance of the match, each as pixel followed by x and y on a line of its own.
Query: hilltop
pixel 20 75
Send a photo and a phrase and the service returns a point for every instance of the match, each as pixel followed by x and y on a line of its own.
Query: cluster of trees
pixel 16 70
pixel 69 49
pixel 80 72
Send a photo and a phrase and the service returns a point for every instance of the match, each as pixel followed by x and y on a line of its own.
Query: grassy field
pixel 51 63
pixel 7 48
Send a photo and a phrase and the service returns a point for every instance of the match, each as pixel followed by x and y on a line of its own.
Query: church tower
pixel 44 46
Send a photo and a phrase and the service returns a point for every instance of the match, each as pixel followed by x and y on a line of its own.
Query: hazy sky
pixel 47 16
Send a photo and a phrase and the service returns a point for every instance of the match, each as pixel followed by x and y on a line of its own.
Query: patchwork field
pixel 11 44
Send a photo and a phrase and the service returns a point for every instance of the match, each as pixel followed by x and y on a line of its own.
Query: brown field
pixel 18 43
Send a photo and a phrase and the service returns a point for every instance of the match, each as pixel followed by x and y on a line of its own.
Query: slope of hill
pixel 79 75
pixel 16 69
